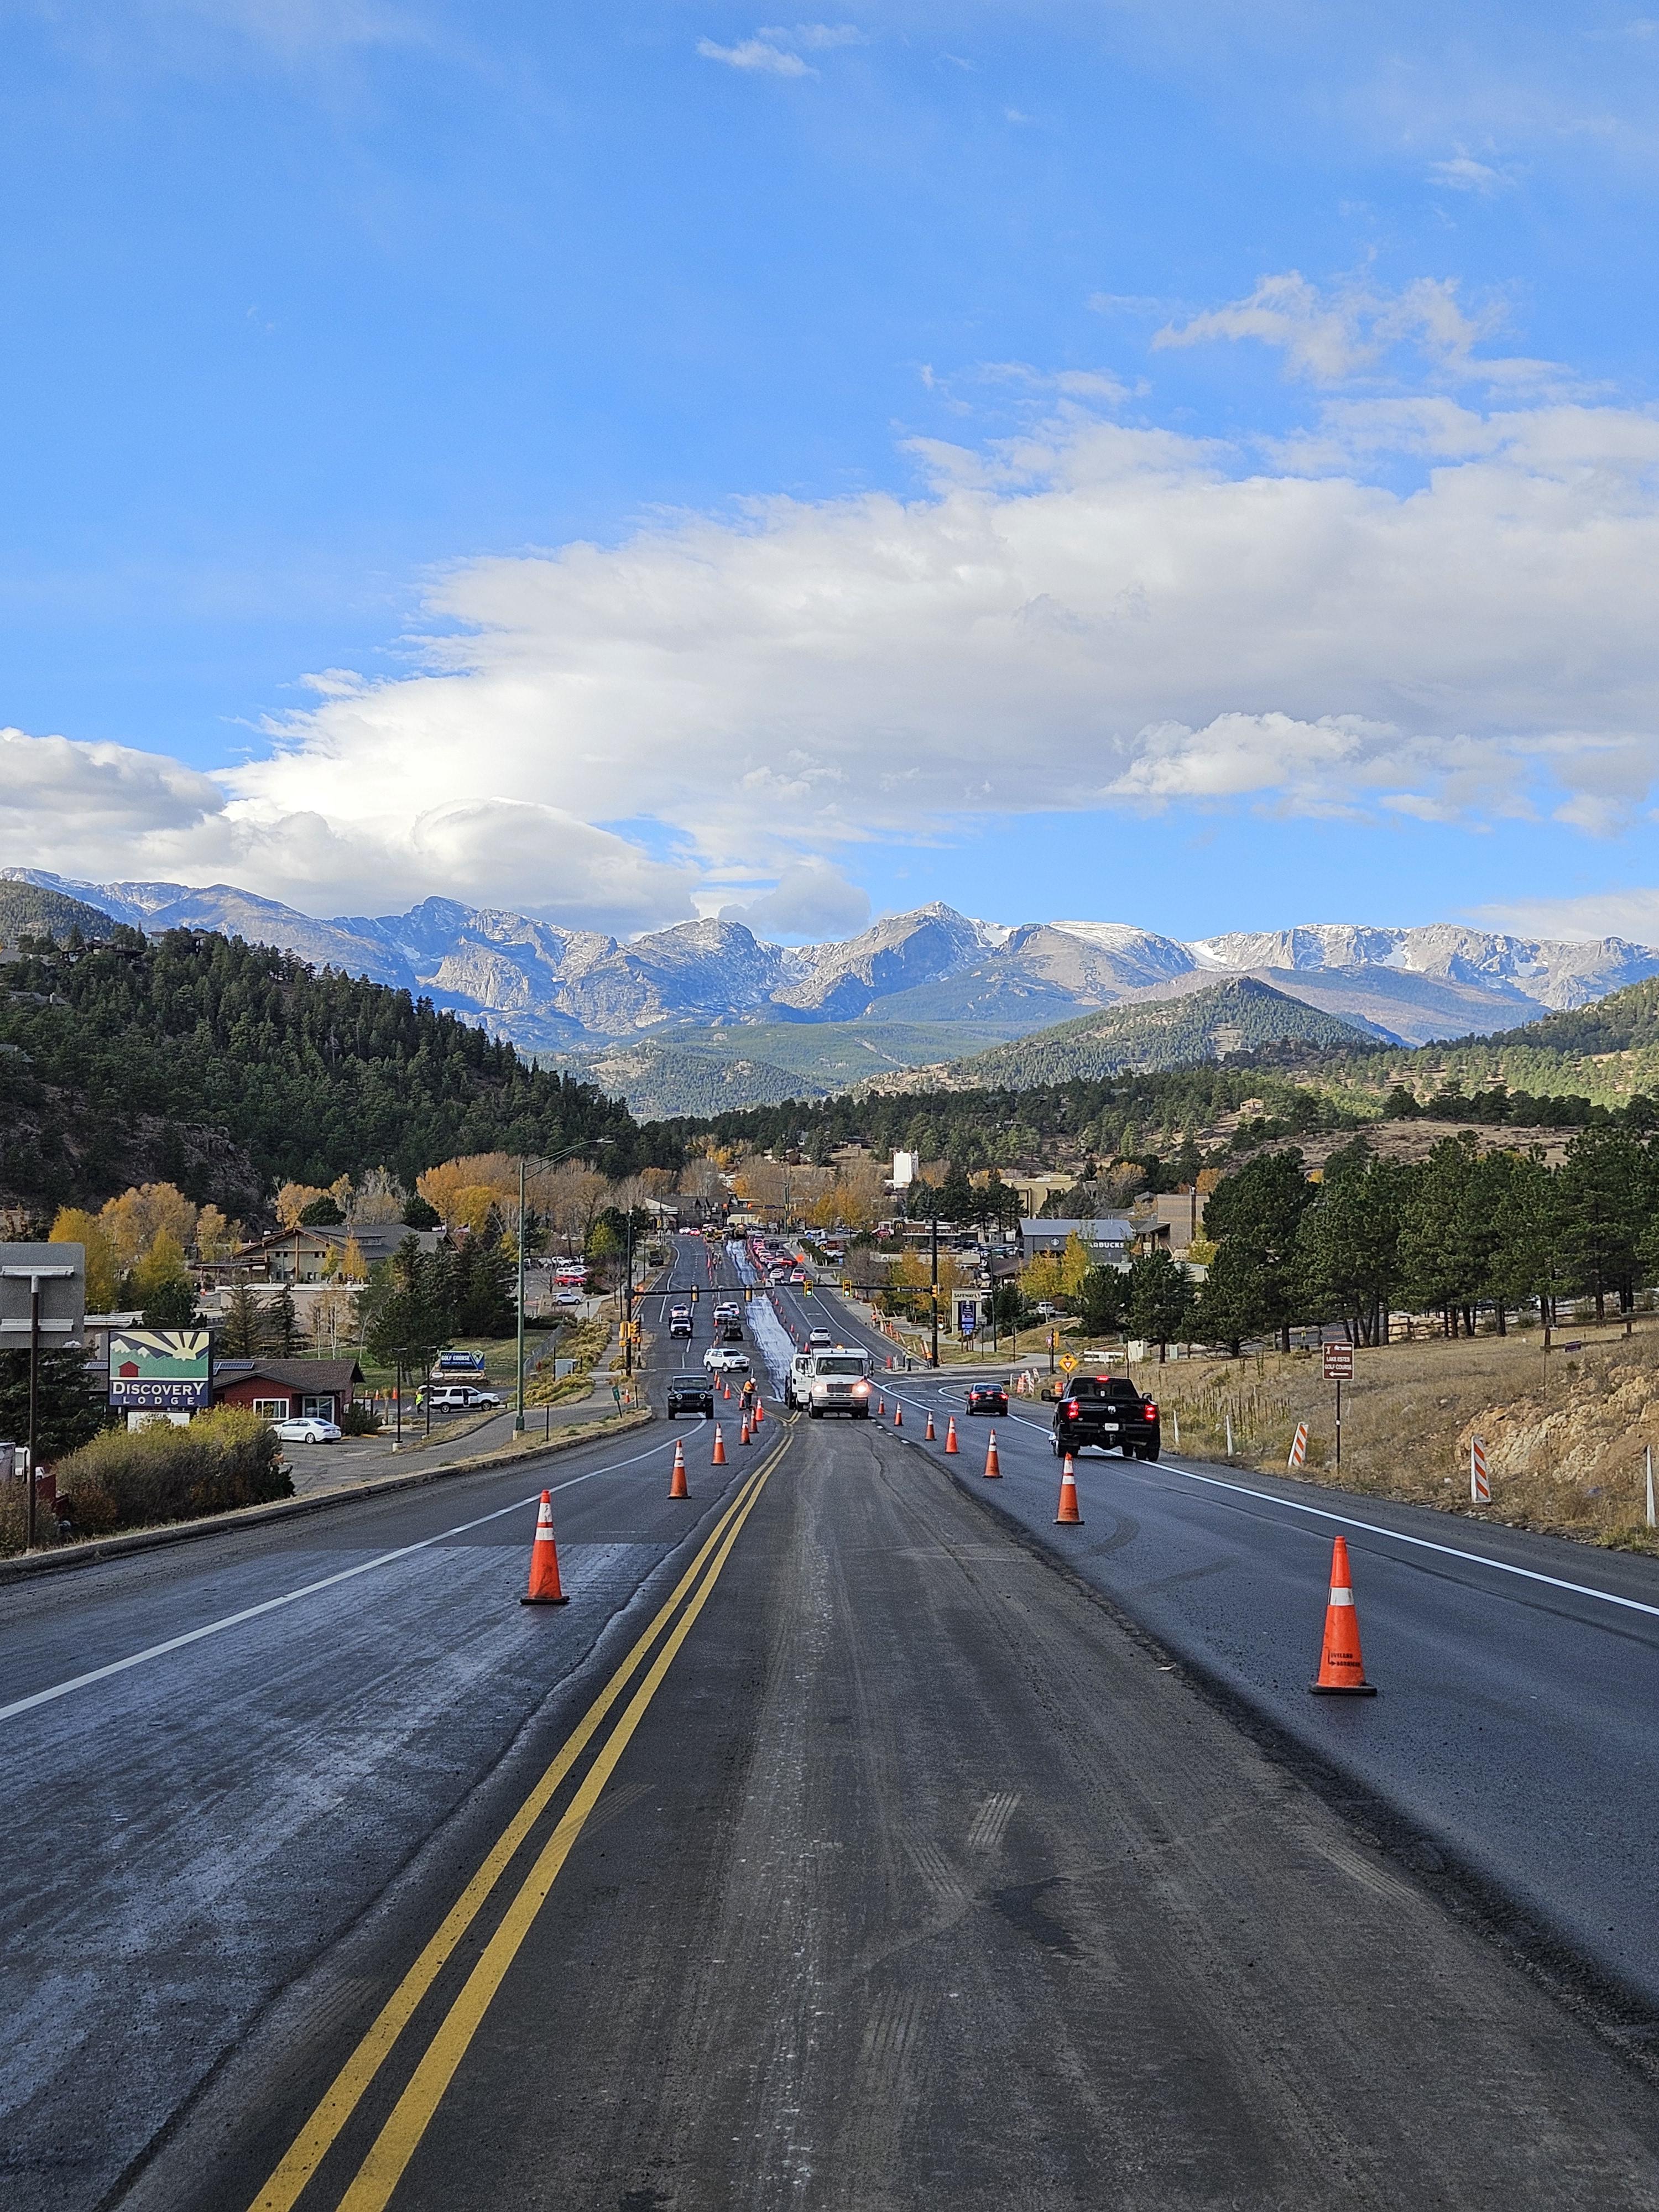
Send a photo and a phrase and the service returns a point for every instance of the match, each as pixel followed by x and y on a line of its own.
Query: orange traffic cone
pixel 676 1485
pixel 742 1433
pixel 992 1464
pixel 951 1443
pixel 725 1390
pixel 928 1438
pixel 719 1457
pixel 544 1560
pixel 1068 1512
pixel 898 1414
pixel 881 1409
pixel 1341 1669
pixel 760 1412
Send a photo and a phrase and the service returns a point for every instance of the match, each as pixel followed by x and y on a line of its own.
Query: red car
pixel 988 1397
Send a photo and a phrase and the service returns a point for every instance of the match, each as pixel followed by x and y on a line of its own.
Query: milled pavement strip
pixel 306 1589
pixel 1351 1521
pixel 346 2091
pixel 382 2169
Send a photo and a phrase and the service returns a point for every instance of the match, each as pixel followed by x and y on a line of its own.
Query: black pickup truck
pixel 1107 1412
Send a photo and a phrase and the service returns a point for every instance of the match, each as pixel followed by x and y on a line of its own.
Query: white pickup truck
pixel 833 1381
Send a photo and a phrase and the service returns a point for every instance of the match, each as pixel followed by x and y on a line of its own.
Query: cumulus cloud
pixel 1329 335
pixel 109 811
pixel 810 900
pixel 1095 616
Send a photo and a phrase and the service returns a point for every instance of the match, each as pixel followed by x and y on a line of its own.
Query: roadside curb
pixel 287 1509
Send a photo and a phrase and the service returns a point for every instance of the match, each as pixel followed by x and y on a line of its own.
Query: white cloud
pixel 1098 616
pixel 814 38
pixel 756 54
pixel 810 900
pixel 1632 914
pixel 96 811
pixel 1349 331
pixel 1463 173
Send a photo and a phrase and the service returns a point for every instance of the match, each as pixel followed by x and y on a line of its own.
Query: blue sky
pixel 1181 464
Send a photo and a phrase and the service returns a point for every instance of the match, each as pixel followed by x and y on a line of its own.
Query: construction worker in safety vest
pixel 747 1395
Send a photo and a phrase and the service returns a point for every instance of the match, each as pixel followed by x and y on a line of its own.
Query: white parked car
pixel 722 1359
pixel 566 1298
pixel 308 1429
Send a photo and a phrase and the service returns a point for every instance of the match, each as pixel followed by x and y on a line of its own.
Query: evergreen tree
pixel 1349 1242
pixel 1103 1301
pixel 1160 1299
pixel 282 1325
pixel 69 1408
pixel 484 1275
pixel 1255 1216
pixel 417 1214
pixel 1235 1300
pixel 243 1334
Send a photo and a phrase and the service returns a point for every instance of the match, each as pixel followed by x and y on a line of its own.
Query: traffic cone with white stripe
pixel 951 1446
pixel 677 1483
pixel 992 1464
pixel 718 1456
pixel 898 1414
pixel 544 1560
pixel 760 1412
pixel 928 1438
pixel 742 1433
pixel 881 1409
pixel 1341 1669
pixel 1068 1515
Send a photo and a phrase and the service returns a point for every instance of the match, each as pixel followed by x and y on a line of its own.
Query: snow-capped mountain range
pixel 560 990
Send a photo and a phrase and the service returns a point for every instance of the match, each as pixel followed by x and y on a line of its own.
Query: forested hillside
pixel 303 1075
pixel 35 910
pixel 1222 1020
pixel 1114 1116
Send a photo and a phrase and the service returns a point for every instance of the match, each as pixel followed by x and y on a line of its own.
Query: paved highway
pixel 1513 1741
pixel 829 1848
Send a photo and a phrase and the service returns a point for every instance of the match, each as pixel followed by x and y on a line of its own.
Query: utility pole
pixel 628 1297
pixel 934 1359
pixel 518 1417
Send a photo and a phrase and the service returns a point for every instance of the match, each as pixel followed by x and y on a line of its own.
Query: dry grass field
pixel 1564 1452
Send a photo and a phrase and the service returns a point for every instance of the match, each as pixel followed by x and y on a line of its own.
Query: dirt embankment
pixel 1565 1452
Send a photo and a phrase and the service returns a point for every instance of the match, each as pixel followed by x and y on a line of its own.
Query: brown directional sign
pixel 1339 1363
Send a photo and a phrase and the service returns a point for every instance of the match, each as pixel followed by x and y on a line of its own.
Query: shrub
pixel 129 1478
pixel 357 1419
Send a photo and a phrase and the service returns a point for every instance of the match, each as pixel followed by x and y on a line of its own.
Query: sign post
pixel 43 1290
pixel 1338 1369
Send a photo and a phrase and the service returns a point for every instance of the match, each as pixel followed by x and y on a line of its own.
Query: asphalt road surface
pixel 831 1848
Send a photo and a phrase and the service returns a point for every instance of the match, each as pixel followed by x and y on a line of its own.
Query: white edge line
pixel 307 1590
pixel 1374 1529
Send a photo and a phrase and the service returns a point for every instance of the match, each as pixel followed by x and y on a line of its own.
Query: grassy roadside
pixel 1565 1454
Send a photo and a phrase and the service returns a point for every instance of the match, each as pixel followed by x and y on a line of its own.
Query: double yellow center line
pixel 377 2176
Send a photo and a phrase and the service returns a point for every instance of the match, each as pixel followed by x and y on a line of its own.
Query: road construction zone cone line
pixel 1341 1669
pixel 950 1445
pixel 718 1456
pixel 1068 1514
pixel 544 1560
pixel 992 1464
pixel 677 1482
pixel 928 1438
